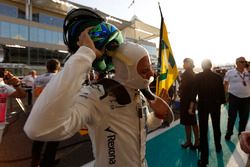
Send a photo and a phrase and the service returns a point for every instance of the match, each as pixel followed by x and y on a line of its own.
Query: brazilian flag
pixel 166 63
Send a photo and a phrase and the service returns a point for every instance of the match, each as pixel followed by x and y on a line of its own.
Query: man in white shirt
pixel 237 85
pixel 28 82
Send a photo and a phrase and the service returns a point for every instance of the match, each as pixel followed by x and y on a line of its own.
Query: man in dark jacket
pixel 209 88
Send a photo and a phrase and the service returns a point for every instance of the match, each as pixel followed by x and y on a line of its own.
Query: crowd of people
pixel 206 91
pixel 207 87
pixel 119 111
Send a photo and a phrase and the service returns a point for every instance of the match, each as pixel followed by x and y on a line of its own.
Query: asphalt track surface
pixel 163 147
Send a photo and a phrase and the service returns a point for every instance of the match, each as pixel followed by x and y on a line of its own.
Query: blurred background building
pixel 31 33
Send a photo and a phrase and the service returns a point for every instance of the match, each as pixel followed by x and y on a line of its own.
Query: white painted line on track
pixel 238 158
pixel 162 130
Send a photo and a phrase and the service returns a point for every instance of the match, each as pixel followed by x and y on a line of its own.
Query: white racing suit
pixel 117 132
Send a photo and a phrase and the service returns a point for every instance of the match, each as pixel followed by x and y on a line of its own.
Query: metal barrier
pixel 21 105
pixel 11 115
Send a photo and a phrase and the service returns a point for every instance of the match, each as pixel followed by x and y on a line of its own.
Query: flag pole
pixel 167 65
pixel 160 42
pixel 159 53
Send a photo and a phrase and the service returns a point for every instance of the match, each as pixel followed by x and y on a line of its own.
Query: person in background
pixel 188 119
pixel 28 82
pixel 53 66
pixel 29 79
pixel 237 85
pixel 208 86
pixel 245 135
pixel 93 77
pixel 10 86
pixel 245 141
pixel 248 66
pixel 116 115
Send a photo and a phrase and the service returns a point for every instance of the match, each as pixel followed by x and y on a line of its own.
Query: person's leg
pixel 232 114
pixel 203 123
pixel 196 135
pixel 36 151
pixel 188 137
pixel 215 116
pixel 49 154
pixel 29 92
pixel 243 114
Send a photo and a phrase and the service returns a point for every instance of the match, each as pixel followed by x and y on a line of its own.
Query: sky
pixel 218 30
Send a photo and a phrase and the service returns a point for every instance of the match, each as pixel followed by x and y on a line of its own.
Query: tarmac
pixel 15 148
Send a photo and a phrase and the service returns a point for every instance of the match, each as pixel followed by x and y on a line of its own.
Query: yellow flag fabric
pixel 168 69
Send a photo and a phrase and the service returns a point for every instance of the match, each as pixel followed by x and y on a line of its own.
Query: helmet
pixel 106 36
pixel 75 22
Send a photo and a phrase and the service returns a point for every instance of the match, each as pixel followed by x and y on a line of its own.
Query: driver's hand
pixel 85 40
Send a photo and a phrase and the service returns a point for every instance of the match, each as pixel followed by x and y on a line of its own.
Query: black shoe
pixel 194 147
pixel 218 148
pixel 49 164
pixel 57 161
pixel 227 137
pixel 201 163
pixel 186 145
